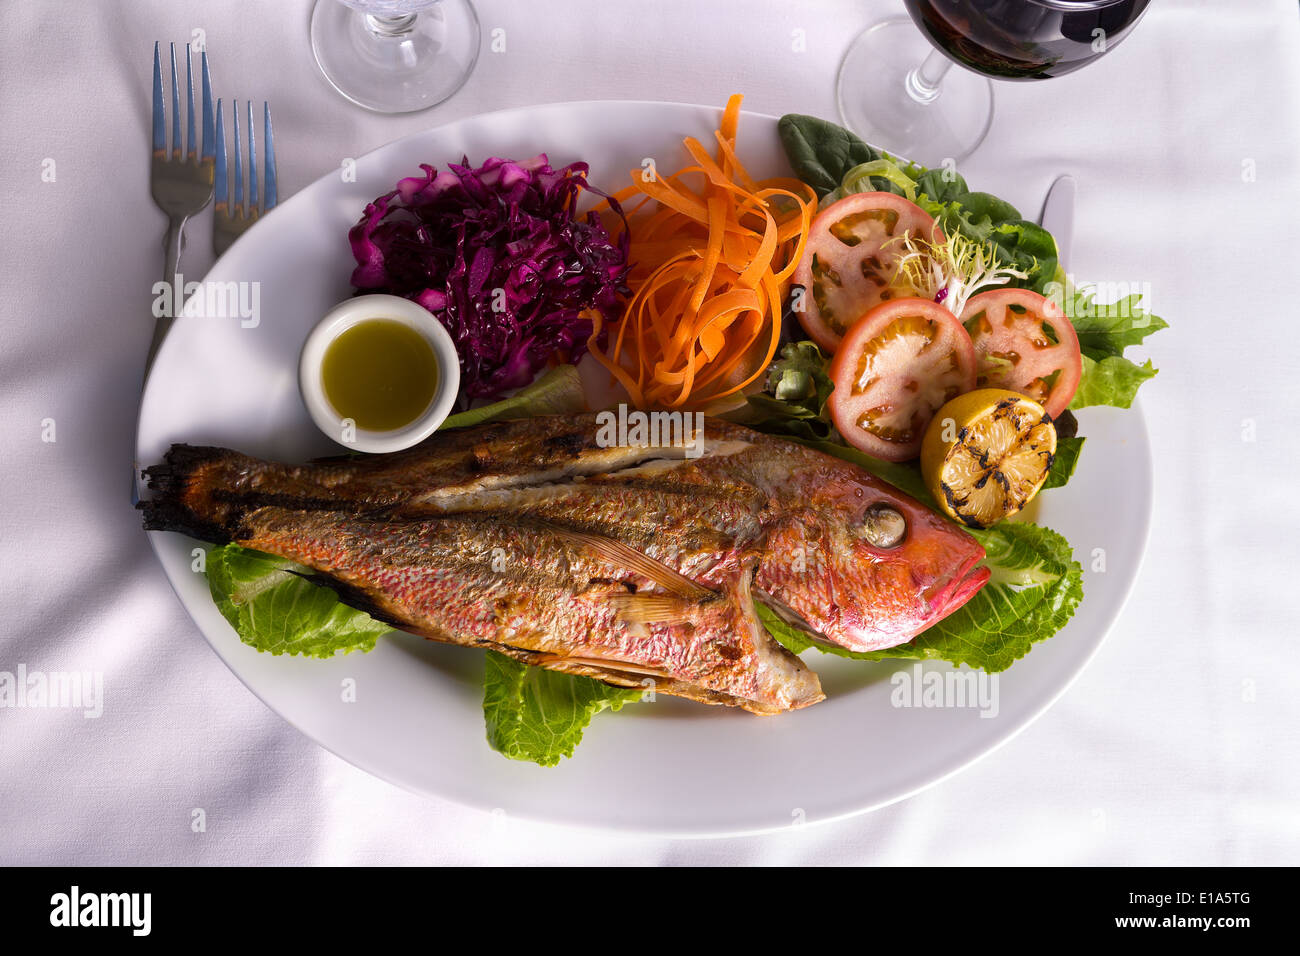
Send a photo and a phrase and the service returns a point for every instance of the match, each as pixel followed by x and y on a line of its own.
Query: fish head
pixel 866 566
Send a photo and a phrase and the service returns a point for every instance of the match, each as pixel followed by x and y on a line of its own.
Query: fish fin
pixel 788 615
pixel 651 608
pixel 634 676
pixel 620 669
pixel 616 552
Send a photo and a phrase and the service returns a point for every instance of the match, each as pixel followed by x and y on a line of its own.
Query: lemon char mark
pixel 958 505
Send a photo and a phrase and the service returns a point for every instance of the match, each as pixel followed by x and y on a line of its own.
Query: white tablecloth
pixel 1177 745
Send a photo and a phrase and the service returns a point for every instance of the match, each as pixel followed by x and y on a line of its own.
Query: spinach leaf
pixel 821 152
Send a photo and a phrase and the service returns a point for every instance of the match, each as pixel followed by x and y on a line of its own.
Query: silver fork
pixel 234 212
pixel 182 182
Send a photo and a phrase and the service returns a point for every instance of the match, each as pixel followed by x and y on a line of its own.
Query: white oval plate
pixel 670 766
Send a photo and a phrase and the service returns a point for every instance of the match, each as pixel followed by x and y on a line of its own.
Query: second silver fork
pixel 234 211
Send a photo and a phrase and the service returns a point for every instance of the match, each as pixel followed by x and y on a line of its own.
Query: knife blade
pixel 1058 216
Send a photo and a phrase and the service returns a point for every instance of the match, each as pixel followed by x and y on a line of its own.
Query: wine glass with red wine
pixel 896 87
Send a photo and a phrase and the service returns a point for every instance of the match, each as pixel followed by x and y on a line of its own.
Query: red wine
pixel 1025 39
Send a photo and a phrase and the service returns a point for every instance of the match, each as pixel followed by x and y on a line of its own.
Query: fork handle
pixel 171 271
pixel 171 266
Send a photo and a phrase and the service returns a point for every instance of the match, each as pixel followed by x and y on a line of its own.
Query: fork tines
pixel 191 152
pixel 235 207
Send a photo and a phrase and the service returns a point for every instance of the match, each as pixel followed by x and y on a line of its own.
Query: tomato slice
pixel 896 366
pixel 1024 343
pixel 850 258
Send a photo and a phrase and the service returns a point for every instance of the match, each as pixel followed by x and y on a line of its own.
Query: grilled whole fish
pixel 539 539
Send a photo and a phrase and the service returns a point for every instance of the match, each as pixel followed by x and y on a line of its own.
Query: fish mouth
pixel 960 588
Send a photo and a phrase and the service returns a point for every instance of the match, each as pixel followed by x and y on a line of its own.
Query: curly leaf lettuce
pixel 537 715
pixel 1105 331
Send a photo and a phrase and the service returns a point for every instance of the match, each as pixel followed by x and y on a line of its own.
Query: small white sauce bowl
pixel 353 312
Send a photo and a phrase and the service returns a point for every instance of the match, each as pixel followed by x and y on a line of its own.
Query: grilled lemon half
pixel 986 454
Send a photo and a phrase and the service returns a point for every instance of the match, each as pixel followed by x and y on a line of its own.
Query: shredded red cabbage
pixel 501 257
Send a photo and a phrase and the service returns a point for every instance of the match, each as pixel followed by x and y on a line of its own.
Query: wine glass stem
pixel 923 82
pixel 390 26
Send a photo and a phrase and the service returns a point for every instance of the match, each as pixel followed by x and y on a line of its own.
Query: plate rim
pixel 1146 462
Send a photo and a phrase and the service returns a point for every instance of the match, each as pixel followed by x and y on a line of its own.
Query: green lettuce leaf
pixel 532 714
pixel 557 392
pixel 985 218
pixel 905 476
pixel 879 175
pixel 538 715
pixel 1112 381
pixel 274 609
pixel 1066 460
pixel 821 152
pixel 1105 330
pixel 793 639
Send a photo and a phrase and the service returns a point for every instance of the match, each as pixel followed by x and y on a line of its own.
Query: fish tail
pixel 183 499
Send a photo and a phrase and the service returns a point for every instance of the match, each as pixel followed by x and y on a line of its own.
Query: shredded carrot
pixel 713 252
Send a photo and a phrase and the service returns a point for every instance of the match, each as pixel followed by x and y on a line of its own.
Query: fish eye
pixel 883 526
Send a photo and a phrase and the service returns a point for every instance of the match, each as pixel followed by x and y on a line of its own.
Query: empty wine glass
pixel 395 56
pixel 896 88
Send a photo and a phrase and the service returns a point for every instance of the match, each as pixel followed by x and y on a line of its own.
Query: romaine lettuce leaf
pixel 538 715
pixel 556 392
pixel 274 609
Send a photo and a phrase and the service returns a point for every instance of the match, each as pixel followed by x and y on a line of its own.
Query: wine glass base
pixel 401 72
pixel 874 102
